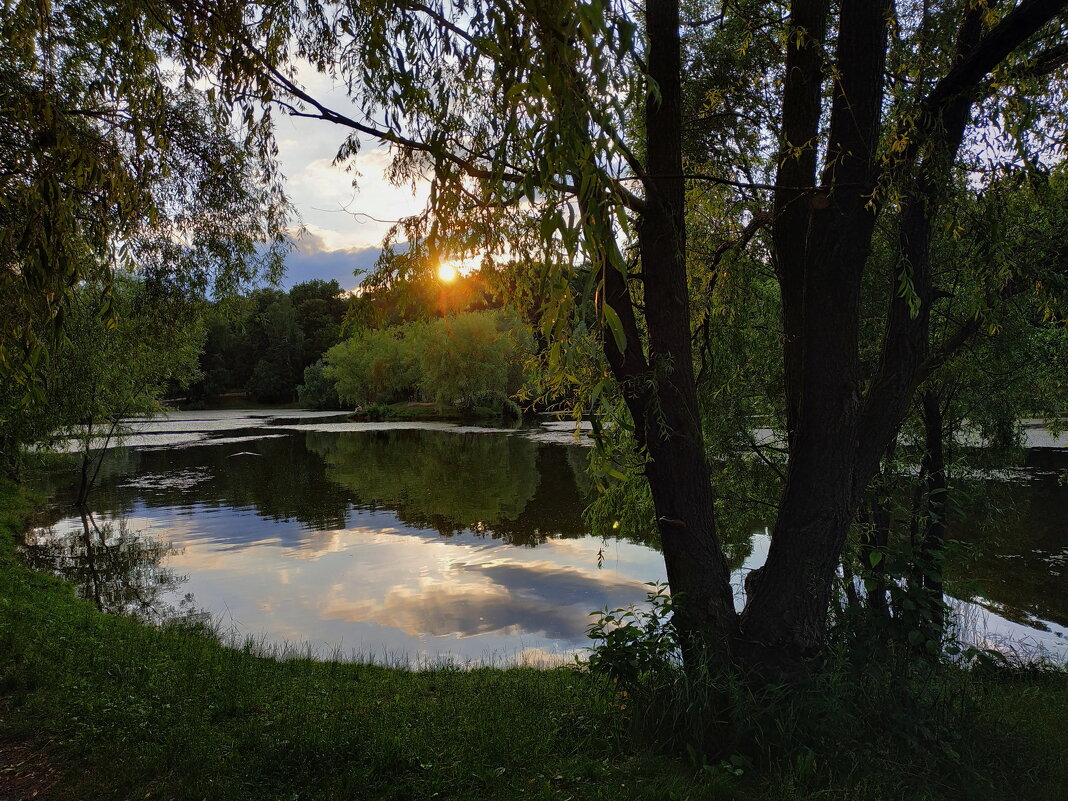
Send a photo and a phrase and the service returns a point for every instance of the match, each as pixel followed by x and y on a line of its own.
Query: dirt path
pixel 26 772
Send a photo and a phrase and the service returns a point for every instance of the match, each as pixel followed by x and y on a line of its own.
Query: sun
pixel 447 272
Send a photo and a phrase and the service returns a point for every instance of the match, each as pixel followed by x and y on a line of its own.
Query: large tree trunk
pixel 677 469
pixel 820 274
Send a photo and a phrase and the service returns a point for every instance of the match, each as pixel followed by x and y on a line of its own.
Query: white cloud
pixel 346 217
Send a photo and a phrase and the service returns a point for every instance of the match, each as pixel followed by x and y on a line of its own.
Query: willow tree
pixel 109 369
pixel 112 161
pixel 881 151
pixel 553 132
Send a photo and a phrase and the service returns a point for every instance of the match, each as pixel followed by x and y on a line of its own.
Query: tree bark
pixel 795 181
pixel 663 398
pixel 785 619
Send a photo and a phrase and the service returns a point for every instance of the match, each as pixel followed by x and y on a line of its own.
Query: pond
pixel 413 543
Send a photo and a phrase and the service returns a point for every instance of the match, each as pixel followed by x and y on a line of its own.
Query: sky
pixel 343 225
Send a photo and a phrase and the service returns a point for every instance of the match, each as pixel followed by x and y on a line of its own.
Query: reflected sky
pixel 429 542
pixel 381 588
pixel 407 542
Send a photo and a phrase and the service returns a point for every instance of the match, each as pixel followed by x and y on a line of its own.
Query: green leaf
pixel 616 327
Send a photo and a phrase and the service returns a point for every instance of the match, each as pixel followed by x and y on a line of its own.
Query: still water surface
pixel 415 542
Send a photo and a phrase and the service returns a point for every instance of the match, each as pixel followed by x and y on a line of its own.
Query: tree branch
pixel 467 166
pixel 971 69
pixel 1017 27
pixel 441 20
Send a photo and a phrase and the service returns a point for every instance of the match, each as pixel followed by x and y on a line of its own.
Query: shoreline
pixel 173 713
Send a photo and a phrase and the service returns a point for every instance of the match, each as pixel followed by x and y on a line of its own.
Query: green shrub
pixel 468 360
pixel 464 357
pixel 376 366
pixel 318 390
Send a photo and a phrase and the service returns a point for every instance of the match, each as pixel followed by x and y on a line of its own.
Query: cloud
pixel 561 585
pixel 499 597
pixel 351 205
pixel 314 256
pixel 347 209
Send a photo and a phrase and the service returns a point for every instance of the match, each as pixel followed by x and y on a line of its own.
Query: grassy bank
pixel 111 709
pixel 131 711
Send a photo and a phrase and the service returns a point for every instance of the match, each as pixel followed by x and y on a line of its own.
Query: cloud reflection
pixel 561 586
pixel 540 599
pixel 466 611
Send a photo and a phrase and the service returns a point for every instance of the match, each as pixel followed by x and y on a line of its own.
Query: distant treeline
pixel 261 344
pixel 274 346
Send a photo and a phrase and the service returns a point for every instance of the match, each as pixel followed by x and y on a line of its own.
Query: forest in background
pixel 409 340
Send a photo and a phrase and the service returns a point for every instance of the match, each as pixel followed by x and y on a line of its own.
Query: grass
pixel 122 710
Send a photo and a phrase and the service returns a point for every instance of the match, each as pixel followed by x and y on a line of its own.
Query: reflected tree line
pixel 1011 546
pixel 120 570
pixel 453 483
pixel 504 487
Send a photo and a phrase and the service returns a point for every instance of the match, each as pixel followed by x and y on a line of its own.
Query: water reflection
pixel 120 570
pixel 427 542
pixel 481 483
pixel 509 488
pixel 1018 555
pixel 380 542
pixel 465 481
pixel 471 598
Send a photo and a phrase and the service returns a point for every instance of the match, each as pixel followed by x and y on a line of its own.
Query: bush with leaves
pixel 468 360
pixel 375 366
pixel 318 391
pixel 633 642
